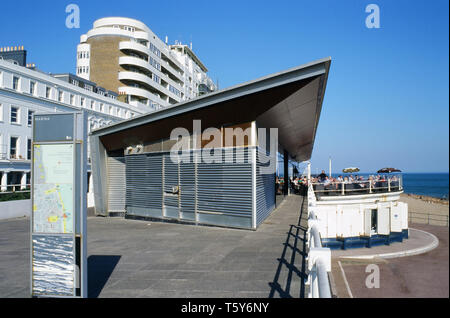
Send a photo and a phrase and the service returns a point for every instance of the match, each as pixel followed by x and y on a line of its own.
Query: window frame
pixel 16 85
pixel 17 122
pixel 32 90
pixel 16 148
pixel 30 119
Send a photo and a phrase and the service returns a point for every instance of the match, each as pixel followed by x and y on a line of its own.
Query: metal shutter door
pixel 144 185
pixel 170 181
pixel 187 189
pixel 225 189
pixel 116 184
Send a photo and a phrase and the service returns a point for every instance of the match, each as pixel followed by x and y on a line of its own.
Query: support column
pixel 23 180
pixel 286 172
pixel 4 181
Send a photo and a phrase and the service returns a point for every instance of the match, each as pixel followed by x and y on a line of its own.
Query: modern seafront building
pixel 125 56
pixel 24 90
pixel 135 175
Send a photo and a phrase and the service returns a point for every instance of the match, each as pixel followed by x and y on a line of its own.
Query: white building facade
pixel 124 55
pixel 24 92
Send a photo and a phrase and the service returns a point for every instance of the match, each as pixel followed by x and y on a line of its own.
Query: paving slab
pixel 131 258
pixel 425 275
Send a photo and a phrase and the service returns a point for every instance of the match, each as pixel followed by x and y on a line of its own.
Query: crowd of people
pixel 324 184
pixel 354 183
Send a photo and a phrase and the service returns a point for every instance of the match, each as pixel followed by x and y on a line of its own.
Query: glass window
pixel 15 83
pixel 60 96
pixel 32 87
pixel 47 92
pixel 72 99
pixel 30 117
pixel 82 101
pixel 29 149
pixel 14 114
pixel 13 147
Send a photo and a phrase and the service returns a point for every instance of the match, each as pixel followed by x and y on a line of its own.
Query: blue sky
pixel 387 99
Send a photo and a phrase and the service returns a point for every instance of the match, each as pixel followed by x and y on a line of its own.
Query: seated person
pixel 322 176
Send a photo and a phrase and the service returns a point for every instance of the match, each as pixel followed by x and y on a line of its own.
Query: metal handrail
pixel 315 237
pixel 23 188
pixel 370 186
pixel 444 218
pixel 323 282
pixel 318 257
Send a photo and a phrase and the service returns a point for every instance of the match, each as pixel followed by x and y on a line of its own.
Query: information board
pixel 58 223
pixel 53 188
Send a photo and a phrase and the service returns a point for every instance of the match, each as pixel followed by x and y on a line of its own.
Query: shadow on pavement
pixel 100 268
pixel 297 249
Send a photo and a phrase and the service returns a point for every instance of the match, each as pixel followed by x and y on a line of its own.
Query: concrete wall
pixel 15 209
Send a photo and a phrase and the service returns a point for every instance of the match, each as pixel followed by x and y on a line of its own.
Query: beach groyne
pixel 427 198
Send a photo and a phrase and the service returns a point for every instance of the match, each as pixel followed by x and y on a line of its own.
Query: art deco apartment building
pixel 125 56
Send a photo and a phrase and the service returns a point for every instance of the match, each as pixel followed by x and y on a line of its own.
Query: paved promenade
pixel 129 258
pixel 424 275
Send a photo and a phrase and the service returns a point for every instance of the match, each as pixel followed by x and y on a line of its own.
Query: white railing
pixel 319 258
pixel 14 188
pixel 359 187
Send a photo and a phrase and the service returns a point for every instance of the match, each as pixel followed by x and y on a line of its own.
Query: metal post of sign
pixel 58 243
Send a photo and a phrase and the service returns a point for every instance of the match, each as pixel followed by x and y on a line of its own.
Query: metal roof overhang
pixel 290 101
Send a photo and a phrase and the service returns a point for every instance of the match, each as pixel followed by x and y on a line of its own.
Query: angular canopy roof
pixel 290 101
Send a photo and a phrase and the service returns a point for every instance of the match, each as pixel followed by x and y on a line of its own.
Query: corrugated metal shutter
pixel 226 188
pixel 171 208
pixel 213 193
pixel 144 185
pixel 265 187
pixel 116 184
pixel 187 189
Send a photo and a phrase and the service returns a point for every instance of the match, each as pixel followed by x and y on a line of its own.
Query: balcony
pixel 372 186
pixel 147 82
pixel 134 46
pixel 136 91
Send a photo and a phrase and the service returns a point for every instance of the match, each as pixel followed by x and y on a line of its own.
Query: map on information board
pixel 53 205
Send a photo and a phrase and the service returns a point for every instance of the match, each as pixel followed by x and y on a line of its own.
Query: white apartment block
pixel 125 56
pixel 24 92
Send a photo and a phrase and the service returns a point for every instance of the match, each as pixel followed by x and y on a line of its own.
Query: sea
pixel 430 184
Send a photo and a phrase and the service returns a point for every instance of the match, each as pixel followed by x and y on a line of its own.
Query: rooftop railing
pixel 371 186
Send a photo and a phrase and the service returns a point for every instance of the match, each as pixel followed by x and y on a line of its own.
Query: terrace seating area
pixel 356 185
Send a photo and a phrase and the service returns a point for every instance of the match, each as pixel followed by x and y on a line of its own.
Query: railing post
pixel 389 184
pixel 309 173
pixel 370 186
pixel 314 283
pixel 343 188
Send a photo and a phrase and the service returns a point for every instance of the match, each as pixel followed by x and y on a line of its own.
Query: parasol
pixel 388 170
pixel 350 170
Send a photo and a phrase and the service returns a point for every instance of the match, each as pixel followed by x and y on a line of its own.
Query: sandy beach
pixel 426 210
